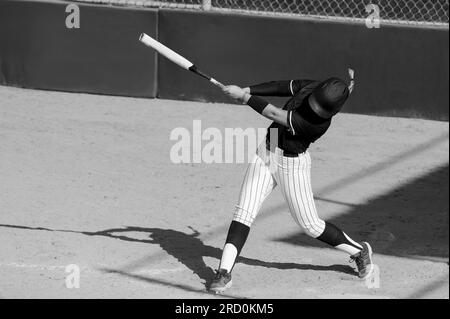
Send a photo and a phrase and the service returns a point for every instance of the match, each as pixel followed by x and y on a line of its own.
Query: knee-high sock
pixel 237 235
pixel 338 239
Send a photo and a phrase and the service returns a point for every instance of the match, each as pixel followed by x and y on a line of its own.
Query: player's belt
pixel 289 154
pixel 281 151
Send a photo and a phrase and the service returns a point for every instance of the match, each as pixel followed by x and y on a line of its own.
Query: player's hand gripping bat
pixel 176 58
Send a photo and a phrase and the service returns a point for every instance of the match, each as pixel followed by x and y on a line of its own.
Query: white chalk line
pixel 85 269
pixel 351 296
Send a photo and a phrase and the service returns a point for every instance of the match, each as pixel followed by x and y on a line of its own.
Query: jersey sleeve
pixel 297 85
pixel 273 88
pixel 279 88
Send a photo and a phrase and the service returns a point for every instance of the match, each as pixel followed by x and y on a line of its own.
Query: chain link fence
pixel 419 12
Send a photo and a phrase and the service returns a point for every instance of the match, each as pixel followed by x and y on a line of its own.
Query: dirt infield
pixel 87 180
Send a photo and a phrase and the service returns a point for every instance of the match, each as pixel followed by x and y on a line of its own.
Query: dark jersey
pixel 305 127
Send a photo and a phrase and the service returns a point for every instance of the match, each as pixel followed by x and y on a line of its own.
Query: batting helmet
pixel 328 98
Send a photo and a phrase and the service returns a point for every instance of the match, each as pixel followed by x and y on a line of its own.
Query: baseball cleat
pixel 221 282
pixel 363 261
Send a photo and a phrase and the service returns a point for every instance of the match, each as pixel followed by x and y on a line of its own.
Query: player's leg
pixel 257 185
pixel 295 182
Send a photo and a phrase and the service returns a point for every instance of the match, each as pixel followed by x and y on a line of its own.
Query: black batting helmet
pixel 328 98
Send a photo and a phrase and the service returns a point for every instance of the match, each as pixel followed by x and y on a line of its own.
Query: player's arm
pixel 273 88
pixel 276 114
pixel 258 104
pixel 277 88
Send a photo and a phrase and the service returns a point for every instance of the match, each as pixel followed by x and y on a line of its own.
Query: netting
pixel 431 12
pixel 177 4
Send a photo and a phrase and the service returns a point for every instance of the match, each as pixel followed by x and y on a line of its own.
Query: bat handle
pixel 194 69
pixel 215 82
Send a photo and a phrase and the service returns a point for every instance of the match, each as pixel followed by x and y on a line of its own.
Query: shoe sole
pixel 220 290
pixel 371 268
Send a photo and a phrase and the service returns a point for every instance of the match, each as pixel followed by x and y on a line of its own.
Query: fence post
pixel 206 5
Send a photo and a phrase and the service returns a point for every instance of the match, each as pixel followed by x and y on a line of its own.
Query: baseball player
pixel 283 161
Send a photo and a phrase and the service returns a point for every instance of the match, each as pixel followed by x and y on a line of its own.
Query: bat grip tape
pixel 195 70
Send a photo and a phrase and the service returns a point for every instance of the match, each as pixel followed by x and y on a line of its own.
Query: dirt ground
pixel 87 180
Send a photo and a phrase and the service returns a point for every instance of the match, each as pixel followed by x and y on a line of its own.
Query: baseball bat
pixel 176 58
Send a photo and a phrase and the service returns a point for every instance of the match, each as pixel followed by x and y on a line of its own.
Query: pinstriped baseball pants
pixel 269 169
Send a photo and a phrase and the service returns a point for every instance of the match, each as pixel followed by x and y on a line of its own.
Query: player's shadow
pixel 189 249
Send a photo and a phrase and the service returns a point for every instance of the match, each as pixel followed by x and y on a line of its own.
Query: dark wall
pixel 102 56
pixel 400 71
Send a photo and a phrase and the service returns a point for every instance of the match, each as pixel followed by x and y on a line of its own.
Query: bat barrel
pixel 175 57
